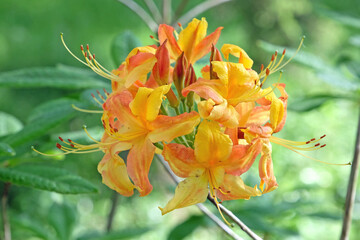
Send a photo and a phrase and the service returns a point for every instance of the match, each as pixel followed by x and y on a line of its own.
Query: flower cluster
pixel 210 129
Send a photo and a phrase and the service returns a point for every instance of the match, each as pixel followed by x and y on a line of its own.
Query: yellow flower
pixel 214 162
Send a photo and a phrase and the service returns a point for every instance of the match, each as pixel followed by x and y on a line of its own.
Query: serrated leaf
pixel 46 178
pixel 49 77
pixel 43 118
pixel 9 124
pixel 122 46
pixel 118 235
pixel 187 227
pixel 6 150
pixel 62 218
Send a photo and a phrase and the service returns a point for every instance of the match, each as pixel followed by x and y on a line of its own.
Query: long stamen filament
pixel 86 110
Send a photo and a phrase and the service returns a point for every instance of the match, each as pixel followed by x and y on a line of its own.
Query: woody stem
pixel 351 191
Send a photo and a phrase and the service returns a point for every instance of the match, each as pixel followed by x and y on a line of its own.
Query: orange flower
pixel 136 123
pixel 214 162
pixel 192 40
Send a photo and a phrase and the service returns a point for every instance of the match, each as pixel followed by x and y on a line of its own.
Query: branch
pixel 141 13
pixel 351 191
pixel 112 212
pixel 6 223
pixel 202 7
pixel 154 10
pixel 224 227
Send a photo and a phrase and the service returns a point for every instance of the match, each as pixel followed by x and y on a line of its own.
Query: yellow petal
pixel 237 52
pixel 191 36
pixel 211 145
pixel 114 175
pixel 147 102
pixel 234 187
pixel 191 191
pixel 266 170
pixel 140 72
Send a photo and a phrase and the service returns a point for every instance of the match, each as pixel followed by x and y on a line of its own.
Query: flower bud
pixel 179 73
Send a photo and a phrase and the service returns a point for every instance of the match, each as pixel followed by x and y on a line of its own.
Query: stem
pixel 112 212
pixel 147 19
pixel 351 191
pixel 6 223
pixel 180 9
pixel 166 11
pixel 223 209
pixel 154 10
pixel 202 7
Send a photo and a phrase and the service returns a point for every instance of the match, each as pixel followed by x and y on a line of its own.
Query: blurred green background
pixel 322 81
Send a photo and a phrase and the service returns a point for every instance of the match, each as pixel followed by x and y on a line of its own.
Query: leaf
pixel 185 228
pixel 32 225
pixel 9 124
pixel 122 46
pixel 42 119
pixel 116 235
pixel 62 218
pixel 309 103
pixel 47 178
pixel 342 18
pixel 64 78
pixel 6 150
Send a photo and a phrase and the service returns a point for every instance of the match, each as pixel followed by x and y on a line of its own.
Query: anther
pixel 72 145
pixel 92 95
pixel 152 37
pixel 87 47
pixel 284 51
pixel 61 139
pixel 90 57
pixel 323 136
pixel 179 24
pixel 276 53
pixel 313 139
pixel 58 145
pixel 272 57
pixel 307 142
pixel 116 130
pixel 318 144
pixel 69 140
pixel 85 54
pixel 94 56
pixel 262 67
pixel 322 146
pixel 82 47
pixel 228 191
pixel 267 71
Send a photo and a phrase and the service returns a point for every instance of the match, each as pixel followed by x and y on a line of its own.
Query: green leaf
pixel 122 45
pixel 345 19
pixel 6 150
pixel 47 178
pixel 9 124
pixel 32 225
pixel 116 235
pixel 42 119
pixel 309 103
pixel 187 227
pixel 62 218
pixel 64 78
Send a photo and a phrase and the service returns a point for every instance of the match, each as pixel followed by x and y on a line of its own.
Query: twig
pixel 202 7
pixel 223 209
pixel 6 223
pixel 351 191
pixel 112 212
pixel 141 13
pixel 167 11
pixel 154 10
pixel 180 9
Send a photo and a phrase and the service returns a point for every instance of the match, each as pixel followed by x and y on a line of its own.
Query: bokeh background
pixel 323 82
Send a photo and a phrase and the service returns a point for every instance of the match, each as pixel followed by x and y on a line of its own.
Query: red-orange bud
pixel 161 69
pixel 190 76
pixel 179 73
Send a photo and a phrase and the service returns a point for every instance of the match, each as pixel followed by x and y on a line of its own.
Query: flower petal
pixel 138 164
pixel 139 72
pixel 204 47
pixel 166 32
pixel 211 145
pixel 208 89
pixel 191 191
pixel 233 187
pixel 238 52
pixel 266 170
pixel 114 175
pixel 182 160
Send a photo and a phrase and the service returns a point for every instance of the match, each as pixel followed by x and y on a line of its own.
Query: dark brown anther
pixel 307 142
pixel 267 72
pixel 228 191
pixel 116 130
pixel 72 145
pixel 58 145
pixel 318 144
pixel 313 139
pixel 323 136
pixel 276 53
pixel 272 57
pixel 69 140
pixel 61 139
pixel 322 146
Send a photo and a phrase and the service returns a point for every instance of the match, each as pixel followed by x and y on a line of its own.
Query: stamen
pixel 86 110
